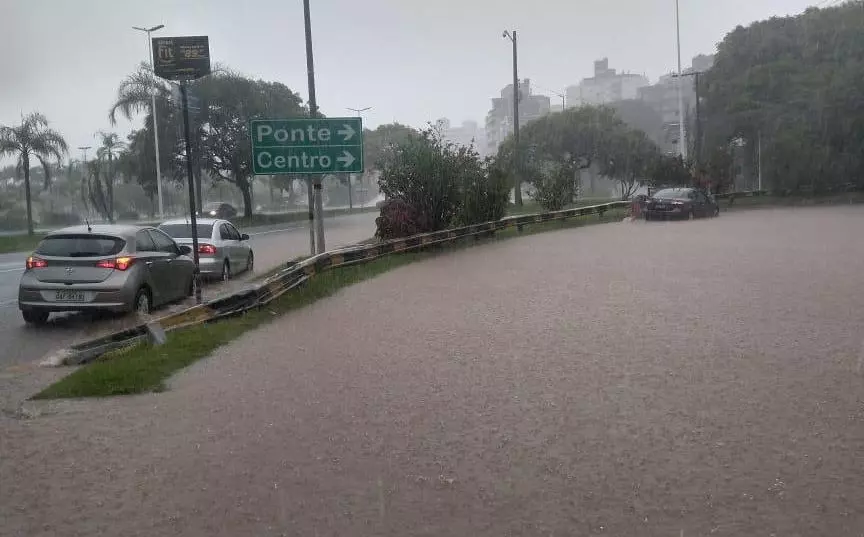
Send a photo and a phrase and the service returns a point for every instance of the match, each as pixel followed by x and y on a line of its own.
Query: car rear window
pixel 673 193
pixel 80 246
pixel 184 231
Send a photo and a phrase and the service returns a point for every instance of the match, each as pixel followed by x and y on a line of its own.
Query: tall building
pixel 663 97
pixel 606 86
pixel 499 120
pixel 466 134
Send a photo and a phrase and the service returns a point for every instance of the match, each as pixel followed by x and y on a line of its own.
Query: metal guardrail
pixel 286 279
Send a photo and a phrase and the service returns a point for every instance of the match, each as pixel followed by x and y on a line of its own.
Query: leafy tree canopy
pixel 794 82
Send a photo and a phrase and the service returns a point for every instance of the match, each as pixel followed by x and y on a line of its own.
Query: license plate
pixel 661 206
pixel 70 296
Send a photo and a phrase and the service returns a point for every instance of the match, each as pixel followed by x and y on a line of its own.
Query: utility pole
pixel 682 137
pixel 148 31
pixel 359 112
pixel 698 143
pixel 517 196
pixel 313 113
pixel 759 161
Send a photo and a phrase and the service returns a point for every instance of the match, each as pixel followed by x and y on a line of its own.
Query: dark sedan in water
pixel 686 203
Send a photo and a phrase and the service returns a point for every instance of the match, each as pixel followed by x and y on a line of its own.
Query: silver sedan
pixel 113 268
pixel 222 250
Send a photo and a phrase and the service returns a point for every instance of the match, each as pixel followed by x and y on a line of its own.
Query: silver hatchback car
pixel 222 250
pixel 111 267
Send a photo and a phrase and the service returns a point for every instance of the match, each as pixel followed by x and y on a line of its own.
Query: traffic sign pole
pixel 313 113
pixel 192 216
pixel 184 59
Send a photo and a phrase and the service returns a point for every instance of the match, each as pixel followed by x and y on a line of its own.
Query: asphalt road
pixel 272 245
pixel 654 379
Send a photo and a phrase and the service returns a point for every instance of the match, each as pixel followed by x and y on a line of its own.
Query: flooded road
pixel 683 378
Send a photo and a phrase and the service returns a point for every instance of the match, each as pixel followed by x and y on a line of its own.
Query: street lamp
pixel 507 34
pixel 359 112
pixel 148 31
pixel 697 144
pixel 682 141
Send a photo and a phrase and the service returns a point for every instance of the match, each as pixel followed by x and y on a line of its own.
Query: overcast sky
pixel 411 60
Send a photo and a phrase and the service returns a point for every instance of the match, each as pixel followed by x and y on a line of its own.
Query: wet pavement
pixel 670 379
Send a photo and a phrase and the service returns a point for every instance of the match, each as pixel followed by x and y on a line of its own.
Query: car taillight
pixel 120 263
pixel 35 262
pixel 208 249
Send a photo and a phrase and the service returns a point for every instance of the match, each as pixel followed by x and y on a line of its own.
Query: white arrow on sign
pixel 347 159
pixel 348 132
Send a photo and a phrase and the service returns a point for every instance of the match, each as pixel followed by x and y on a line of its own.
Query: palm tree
pixel 32 138
pixel 135 93
pixel 110 147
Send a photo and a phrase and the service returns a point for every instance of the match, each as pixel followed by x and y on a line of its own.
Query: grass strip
pixel 19 243
pixel 145 368
pixel 845 198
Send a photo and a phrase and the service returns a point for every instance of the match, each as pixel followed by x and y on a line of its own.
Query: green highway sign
pixel 327 145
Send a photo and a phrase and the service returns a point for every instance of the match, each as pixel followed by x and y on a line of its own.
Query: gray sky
pixel 412 60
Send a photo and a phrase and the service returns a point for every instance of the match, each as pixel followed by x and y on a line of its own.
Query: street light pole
pixel 517 196
pixel 359 112
pixel 148 31
pixel 682 141
pixel 697 143
pixel 84 149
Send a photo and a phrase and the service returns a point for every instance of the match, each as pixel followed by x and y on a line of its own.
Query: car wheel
pixel 35 316
pixel 250 262
pixel 226 271
pixel 143 304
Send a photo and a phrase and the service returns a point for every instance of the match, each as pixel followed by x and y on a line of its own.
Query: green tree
pixel 96 188
pixel 432 184
pixel 556 147
pixel 109 149
pixel 793 82
pixel 32 139
pixel 134 98
pixel 228 103
pixel 668 171
pixel 629 158
pixel 376 143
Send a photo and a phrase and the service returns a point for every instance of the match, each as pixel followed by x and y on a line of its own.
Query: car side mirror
pixel 185 250
pixel 244 237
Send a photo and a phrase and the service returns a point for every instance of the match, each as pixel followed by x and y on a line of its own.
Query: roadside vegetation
pixel 19 243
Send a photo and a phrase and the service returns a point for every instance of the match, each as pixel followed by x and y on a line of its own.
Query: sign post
pixel 183 59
